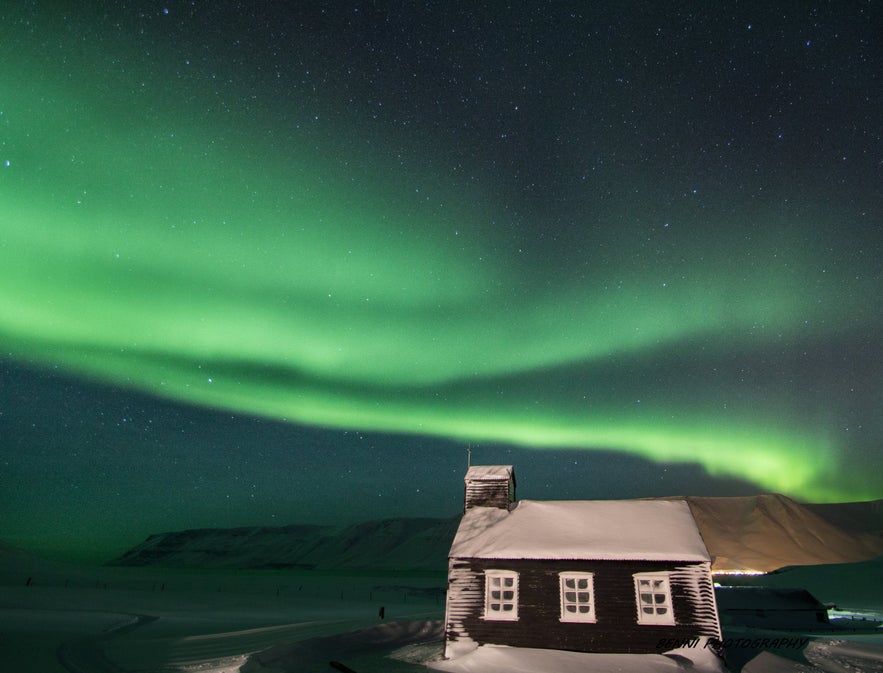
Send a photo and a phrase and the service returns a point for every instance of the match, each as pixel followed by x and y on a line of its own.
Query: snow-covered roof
pixel 582 529
pixel 481 472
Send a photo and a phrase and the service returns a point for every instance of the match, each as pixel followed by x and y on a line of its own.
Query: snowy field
pixel 122 619
pixel 63 619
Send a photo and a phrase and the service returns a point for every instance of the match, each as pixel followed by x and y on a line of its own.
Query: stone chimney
pixel 490 486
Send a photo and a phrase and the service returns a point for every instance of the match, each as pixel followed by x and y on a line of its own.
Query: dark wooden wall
pixel 489 493
pixel 616 629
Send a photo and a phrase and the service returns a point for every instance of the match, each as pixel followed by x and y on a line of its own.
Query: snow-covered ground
pixel 122 619
pixel 824 655
pixel 125 620
pixel 493 659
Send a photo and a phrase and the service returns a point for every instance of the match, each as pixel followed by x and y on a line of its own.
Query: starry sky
pixel 266 262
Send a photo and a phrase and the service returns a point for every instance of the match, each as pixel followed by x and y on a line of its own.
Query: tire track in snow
pixel 86 655
pixel 215 651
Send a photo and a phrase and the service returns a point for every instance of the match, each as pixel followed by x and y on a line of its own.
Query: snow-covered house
pixel 628 576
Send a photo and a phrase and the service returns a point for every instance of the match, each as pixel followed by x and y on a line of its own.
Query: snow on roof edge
pixel 480 472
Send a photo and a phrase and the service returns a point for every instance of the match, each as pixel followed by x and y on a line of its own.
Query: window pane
pixel 576 597
pixel 654 599
pixel 501 595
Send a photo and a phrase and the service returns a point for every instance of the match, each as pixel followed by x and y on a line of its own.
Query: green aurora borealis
pixel 174 223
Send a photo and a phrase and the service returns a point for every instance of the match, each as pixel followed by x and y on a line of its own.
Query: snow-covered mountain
pixel 405 544
pixel 766 532
pixel 760 533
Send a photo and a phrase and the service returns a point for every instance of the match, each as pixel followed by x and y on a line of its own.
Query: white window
pixel 577 597
pixel 653 593
pixel 501 594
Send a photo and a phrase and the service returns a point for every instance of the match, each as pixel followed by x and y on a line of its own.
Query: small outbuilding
pixel 771 608
pixel 627 576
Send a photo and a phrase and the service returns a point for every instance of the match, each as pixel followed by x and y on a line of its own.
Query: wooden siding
pixel 499 493
pixel 539 625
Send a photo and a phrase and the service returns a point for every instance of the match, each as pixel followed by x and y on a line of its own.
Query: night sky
pixel 267 262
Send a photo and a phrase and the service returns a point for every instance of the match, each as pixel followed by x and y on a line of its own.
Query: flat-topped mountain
pixel 766 532
pixel 759 533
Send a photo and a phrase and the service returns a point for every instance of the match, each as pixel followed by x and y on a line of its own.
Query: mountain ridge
pixel 744 533
pixel 766 532
pixel 402 543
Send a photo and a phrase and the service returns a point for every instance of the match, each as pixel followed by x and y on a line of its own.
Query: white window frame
pixel 577 598
pixel 660 604
pixel 503 606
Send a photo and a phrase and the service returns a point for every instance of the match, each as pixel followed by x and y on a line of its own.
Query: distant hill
pixel 405 544
pixel 866 517
pixel 760 533
pixel 856 585
pixel 766 532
